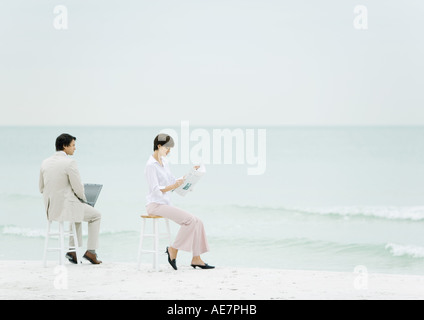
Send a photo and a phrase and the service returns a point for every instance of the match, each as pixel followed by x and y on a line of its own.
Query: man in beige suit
pixel 63 193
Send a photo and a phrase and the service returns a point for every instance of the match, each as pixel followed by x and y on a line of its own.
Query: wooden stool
pixel 155 235
pixel 61 234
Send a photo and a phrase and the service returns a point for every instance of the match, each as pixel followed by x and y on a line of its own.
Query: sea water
pixel 331 198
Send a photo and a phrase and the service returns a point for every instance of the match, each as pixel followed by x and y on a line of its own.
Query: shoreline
pixel 27 280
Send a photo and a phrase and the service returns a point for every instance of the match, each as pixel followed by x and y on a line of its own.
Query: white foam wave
pixel 34 233
pixel 385 212
pixel 20 231
pixel 399 250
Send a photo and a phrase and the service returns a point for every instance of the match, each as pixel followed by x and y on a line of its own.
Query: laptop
pixel 92 192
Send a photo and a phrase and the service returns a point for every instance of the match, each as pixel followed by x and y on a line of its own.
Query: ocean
pixel 324 198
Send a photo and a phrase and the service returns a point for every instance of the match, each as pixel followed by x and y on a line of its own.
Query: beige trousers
pixel 93 217
pixel 191 237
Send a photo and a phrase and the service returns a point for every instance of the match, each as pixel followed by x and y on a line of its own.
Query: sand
pixel 26 280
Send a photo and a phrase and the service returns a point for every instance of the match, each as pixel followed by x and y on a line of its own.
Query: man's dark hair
pixel 163 140
pixel 64 140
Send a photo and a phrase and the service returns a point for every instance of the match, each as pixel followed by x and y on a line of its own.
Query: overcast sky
pixel 211 62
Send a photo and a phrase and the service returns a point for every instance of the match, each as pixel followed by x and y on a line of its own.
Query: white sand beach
pixel 30 280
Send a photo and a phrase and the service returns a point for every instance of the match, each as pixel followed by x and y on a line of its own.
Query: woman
pixel 191 236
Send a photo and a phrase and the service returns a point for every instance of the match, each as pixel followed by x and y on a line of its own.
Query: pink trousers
pixel 191 236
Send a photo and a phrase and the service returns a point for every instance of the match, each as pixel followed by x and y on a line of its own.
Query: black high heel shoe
pixel 205 266
pixel 173 262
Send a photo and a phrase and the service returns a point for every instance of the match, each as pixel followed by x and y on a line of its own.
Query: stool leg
pixel 156 245
pixel 46 243
pixel 168 230
pixel 62 244
pixel 140 246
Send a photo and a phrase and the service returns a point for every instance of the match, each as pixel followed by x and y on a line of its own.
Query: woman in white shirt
pixel 191 236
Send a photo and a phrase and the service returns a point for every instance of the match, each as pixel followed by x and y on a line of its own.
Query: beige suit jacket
pixel 62 189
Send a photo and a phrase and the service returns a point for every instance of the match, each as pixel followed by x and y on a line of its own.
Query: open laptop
pixel 92 192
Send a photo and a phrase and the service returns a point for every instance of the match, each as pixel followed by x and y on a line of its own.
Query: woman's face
pixel 163 151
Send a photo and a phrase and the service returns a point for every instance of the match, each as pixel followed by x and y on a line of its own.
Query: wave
pixel 20 196
pixel 414 213
pixel 314 248
pixel 383 212
pixel 399 250
pixel 406 213
pixel 12 230
pixel 22 231
pixel 299 246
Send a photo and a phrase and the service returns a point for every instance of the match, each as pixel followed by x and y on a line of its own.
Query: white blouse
pixel 158 177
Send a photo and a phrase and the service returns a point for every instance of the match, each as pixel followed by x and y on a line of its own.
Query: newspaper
pixel 190 179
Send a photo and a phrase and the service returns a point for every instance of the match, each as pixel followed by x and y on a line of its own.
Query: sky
pixel 217 62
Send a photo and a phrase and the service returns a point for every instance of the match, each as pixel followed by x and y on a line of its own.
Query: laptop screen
pixel 92 192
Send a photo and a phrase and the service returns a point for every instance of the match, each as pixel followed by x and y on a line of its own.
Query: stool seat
pixel 155 235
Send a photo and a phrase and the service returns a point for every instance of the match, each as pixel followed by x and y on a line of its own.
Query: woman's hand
pixel 196 167
pixel 173 186
pixel 178 183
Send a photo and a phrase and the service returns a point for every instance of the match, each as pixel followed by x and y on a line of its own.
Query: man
pixel 64 197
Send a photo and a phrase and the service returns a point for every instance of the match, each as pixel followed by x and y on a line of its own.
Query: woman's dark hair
pixel 163 140
pixel 64 140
